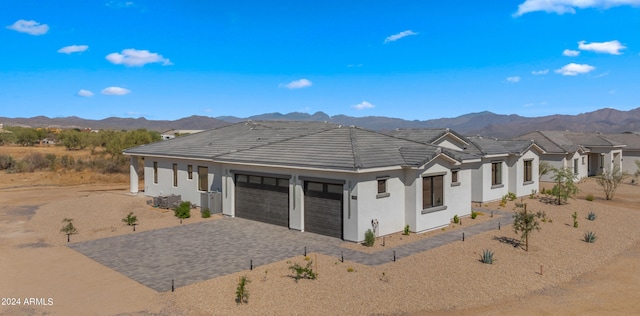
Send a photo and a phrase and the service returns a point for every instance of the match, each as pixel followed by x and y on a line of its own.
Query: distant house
pixel 314 177
pixel 503 166
pixel 171 134
pixel 587 154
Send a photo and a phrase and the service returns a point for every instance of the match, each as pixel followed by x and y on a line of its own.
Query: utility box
pixel 212 201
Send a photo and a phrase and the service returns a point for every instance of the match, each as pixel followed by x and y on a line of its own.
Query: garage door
pixel 323 208
pixel 263 199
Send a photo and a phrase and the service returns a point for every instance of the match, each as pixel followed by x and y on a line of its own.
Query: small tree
pixel 130 220
pixel 68 228
pixel 565 186
pixel 183 210
pixel 544 168
pixel 609 180
pixel 524 223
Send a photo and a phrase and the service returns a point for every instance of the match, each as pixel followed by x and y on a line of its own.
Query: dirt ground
pixel 578 278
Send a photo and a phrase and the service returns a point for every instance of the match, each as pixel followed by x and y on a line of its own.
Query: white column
pixel 133 174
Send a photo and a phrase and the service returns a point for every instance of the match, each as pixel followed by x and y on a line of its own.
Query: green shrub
pixel 350 269
pixel 206 213
pixel 474 214
pixel 183 210
pixel 6 162
pixel 130 219
pixel 589 197
pixel 575 219
pixel 456 219
pixel 487 257
pixel 242 294
pixel 369 238
pixel 590 237
pixel 406 231
pixel 301 272
pixel 592 216
pixel 504 199
pixel 511 196
pixel 68 228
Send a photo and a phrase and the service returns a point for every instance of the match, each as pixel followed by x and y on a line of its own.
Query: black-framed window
pixel 496 173
pixel 203 178
pixel 155 172
pixel 432 191
pixel 190 172
pixel 454 176
pixel 528 170
pixel 382 186
pixel 175 174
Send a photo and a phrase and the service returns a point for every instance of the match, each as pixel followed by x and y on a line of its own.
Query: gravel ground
pixel 446 278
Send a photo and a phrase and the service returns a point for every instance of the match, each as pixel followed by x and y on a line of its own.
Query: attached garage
pixel 262 198
pixel 323 208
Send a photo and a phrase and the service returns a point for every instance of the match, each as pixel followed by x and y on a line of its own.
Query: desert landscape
pixel 560 274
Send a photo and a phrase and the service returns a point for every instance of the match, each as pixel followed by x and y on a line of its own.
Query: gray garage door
pixel 263 199
pixel 323 208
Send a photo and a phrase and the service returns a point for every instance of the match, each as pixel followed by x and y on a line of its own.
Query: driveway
pixel 196 252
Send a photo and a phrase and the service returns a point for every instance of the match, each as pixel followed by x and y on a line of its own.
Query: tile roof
pixel 632 140
pixel 425 135
pixel 560 142
pixel 298 144
pixel 492 146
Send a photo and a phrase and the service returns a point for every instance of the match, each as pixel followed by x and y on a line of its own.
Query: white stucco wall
pixel 629 161
pixel 187 188
pixel 482 190
pixel 450 142
pixel 517 185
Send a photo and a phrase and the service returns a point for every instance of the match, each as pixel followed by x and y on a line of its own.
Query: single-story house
pixel 172 133
pixel 504 165
pixel 311 176
pixel 630 153
pixel 588 154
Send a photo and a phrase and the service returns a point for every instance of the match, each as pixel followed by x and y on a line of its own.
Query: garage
pixel 323 208
pixel 262 198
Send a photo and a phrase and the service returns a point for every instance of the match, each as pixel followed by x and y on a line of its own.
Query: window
pixel 575 166
pixel 583 160
pixel 528 175
pixel 432 191
pixel 190 172
pixel 155 172
pixel 496 173
pixel 175 174
pixel 382 186
pixel 203 178
pixel 454 176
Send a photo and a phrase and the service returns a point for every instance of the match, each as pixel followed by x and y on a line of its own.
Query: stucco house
pixel 588 154
pixel 630 153
pixel 311 176
pixel 504 165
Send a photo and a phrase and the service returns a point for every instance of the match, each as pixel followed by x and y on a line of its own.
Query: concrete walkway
pixel 196 252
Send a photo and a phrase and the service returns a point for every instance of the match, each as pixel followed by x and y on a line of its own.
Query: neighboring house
pixel 171 134
pixel 630 153
pixel 310 176
pixel 587 154
pixel 504 166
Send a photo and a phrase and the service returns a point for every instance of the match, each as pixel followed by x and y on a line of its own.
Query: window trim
pixel 432 177
pixel 200 178
pixel 455 172
pixel 529 171
pixel 496 180
pixel 385 190
pixel 190 172
pixel 155 172
pixel 175 175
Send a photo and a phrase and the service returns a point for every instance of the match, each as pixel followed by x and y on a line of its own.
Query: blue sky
pixel 415 60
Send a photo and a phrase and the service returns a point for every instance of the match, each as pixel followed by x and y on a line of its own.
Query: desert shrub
pixel 487 257
pixel 511 196
pixel 183 210
pixel 51 161
pixel 592 216
pixel 67 162
pixel 206 213
pixel 589 197
pixel 504 199
pixel 575 219
pixel 406 231
pixel 130 219
pixel 301 272
pixel 456 219
pixel 474 214
pixel 350 269
pixel 6 162
pixel 533 194
pixel 609 180
pixel 242 294
pixel 589 237
pixel 369 238
pixel 68 228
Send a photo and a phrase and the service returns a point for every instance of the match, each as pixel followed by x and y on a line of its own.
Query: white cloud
pixel 398 36
pixel 569 6
pixel 297 84
pixel 73 49
pixel 611 47
pixel 135 57
pixel 363 105
pixel 119 4
pixel 115 91
pixel 574 69
pixel 540 72
pixel 570 53
pixel 513 79
pixel 85 93
pixel 30 27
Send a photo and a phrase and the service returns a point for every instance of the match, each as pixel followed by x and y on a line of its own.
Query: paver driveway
pixel 197 252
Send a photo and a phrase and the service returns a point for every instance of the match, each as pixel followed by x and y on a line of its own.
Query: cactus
pixel 590 237
pixel 487 257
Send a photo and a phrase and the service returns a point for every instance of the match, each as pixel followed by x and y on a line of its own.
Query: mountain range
pixel 484 123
